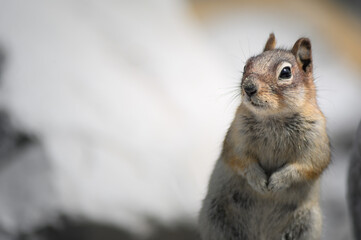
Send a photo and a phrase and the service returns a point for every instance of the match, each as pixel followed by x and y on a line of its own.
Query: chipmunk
pixel 265 184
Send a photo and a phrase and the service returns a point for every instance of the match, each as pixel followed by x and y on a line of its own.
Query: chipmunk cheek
pixel 273 100
pixel 268 100
pixel 274 104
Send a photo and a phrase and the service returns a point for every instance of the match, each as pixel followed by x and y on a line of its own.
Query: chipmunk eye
pixel 285 73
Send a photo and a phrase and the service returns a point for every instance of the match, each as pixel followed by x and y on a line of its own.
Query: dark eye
pixel 285 73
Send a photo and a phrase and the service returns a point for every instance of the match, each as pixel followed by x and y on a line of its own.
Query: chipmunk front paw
pixel 256 178
pixel 278 182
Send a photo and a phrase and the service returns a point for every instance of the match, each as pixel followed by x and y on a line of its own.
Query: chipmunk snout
pixel 250 89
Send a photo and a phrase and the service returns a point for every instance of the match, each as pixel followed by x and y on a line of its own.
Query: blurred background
pixel 112 113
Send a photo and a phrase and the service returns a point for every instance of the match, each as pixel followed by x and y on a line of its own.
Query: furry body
pixel 265 184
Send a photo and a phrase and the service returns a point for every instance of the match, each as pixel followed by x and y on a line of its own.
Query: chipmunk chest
pixel 273 140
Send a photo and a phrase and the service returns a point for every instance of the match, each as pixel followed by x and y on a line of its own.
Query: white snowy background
pixel 130 101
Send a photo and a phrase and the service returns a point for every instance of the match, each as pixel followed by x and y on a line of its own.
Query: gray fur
pixel 266 202
pixel 233 210
pixel 265 185
pixel 278 138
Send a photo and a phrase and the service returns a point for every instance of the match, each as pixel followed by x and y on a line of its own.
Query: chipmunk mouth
pixel 256 103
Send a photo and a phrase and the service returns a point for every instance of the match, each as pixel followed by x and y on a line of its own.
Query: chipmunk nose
pixel 250 89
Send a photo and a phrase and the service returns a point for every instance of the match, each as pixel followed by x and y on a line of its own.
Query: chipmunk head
pixel 278 80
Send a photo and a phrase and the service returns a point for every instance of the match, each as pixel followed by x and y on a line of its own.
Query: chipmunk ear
pixel 303 53
pixel 271 43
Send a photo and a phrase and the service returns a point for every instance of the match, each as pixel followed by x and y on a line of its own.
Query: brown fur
pixel 273 94
pixel 273 154
pixel 271 43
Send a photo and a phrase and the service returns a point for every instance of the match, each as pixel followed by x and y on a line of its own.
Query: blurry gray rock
pixel 354 185
pixel 69 229
pixel 26 193
pixel 11 140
